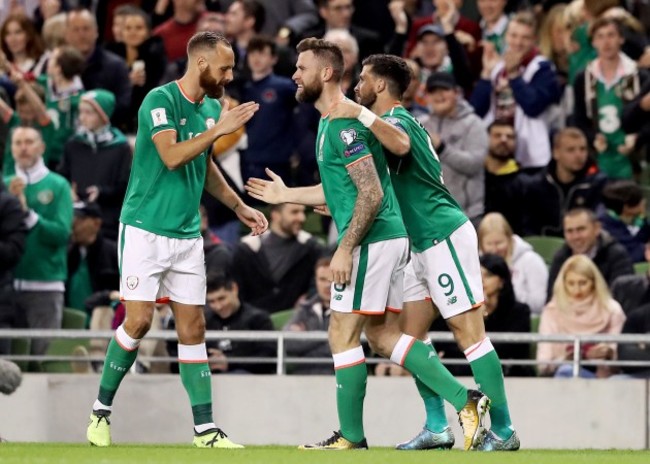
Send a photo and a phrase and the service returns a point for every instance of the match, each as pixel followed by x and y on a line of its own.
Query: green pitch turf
pixel 37 453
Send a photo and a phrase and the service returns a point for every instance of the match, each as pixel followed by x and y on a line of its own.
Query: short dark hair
pixel 619 194
pixel 71 61
pixel 259 43
pixel 393 69
pixel 323 262
pixel 604 22
pixel 256 10
pixel 132 10
pixel 206 40
pixel 500 123
pixel 326 52
pixel 218 281
pixel 573 212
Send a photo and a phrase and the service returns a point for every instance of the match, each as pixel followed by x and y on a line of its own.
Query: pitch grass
pixel 37 453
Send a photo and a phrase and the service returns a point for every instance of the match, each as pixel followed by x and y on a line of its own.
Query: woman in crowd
pixel 581 305
pixel 22 45
pixel 145 56
pixel 529 272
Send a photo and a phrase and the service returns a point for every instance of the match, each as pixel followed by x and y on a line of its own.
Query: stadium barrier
pixel 280 337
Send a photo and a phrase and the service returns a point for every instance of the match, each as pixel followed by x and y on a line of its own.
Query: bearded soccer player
pixel 160 244
pixel 367 267
pixel 444 267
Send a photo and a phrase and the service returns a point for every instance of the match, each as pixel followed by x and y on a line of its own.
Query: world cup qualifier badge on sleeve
pixel 348 136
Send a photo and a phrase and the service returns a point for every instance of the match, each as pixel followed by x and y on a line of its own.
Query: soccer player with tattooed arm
pixel 367 267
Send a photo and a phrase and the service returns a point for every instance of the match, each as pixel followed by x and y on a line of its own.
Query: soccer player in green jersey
pixel 367 267
pixel 160 245
pixel 445 267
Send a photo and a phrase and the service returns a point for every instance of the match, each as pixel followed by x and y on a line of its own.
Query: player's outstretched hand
pixel 345 109
pixel 232 119
pixel 253 219
pixel 269 191
pixel 323 210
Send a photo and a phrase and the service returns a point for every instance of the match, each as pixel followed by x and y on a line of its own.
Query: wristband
pixel 366 117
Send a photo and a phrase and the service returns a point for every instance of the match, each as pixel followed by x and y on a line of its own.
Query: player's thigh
pixel 184 282
pixel 143 258
pixel 452 272
pixel 376 281
pixel 190 323
pixel 416 317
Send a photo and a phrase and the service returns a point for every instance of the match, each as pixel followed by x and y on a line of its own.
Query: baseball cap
pixel 84 209
pixel 440 80
pixel 431 29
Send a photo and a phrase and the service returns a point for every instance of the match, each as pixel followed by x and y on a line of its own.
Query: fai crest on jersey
pixel 348 136
pixel 132 282
pixel 159 117
pixel 209 122
pixel 45 197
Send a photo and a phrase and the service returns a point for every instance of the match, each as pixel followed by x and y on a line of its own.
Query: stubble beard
pixel 209 84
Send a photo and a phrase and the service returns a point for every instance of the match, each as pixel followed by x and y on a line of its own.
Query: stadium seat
pixel 21 347
pixel 534 328
pixel 546 247
pixel 313 224
pixel 641 268
pixel 280 318
pixel 73 319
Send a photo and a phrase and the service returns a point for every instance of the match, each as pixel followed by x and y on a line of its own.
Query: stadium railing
pixel 280 337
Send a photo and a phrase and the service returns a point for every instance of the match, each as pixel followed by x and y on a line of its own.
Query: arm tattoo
pixel 369 197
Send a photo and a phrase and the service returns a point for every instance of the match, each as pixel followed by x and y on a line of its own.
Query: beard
pixel 367 100
pixel 501 152
pixel 209 84
pixel 310 94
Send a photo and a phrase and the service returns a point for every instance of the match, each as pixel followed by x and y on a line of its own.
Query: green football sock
pixel 425 366
pixel 120 356
pixel 351 379
pixel 488 374
pixel 436 420
pixel 196 378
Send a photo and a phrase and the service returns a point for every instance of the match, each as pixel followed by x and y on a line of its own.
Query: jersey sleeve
pixel 395 121
pixel 156 114
pixel 350 140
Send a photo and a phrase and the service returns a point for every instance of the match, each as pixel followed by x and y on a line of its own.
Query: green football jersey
pixel 430 212
pixel 343 142
pixel 610 111
pixel 157 199
pixel 63 111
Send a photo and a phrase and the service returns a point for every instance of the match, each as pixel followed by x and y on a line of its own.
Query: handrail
pixel 281 337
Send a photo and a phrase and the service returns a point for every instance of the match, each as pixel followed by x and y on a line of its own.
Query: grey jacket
pixel 465 146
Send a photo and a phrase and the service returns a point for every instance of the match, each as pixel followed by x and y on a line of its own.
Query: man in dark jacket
pixel 583 235
pixel 632 291
pixel 637 323
pixel 624 217
pixel 571 180
pixel 313 314
pixel 275 269
pixel 12 244
pixel 104 70
pixel 92 258
pixel 225 311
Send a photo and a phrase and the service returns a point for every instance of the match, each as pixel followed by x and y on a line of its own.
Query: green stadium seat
pixel 62 347
pixel 534 328
pixel 313 224
pixel 546 247
pixel 280 318
pixel 73 319
pixel 641 268
pixel 21 347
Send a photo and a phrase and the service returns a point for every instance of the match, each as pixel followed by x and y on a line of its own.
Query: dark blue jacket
pixel 634 244
pixel 532 97
pixel 269 131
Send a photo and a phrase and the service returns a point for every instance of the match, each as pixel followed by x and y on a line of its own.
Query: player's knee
pixel 378 342
pixel 191 334
pixel 137 326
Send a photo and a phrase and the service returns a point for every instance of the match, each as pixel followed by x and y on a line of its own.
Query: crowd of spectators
pixel 539 111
